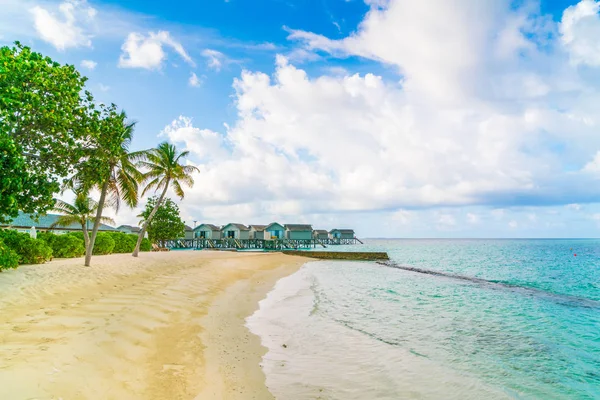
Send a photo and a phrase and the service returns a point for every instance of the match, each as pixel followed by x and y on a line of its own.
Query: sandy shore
pixel 163 326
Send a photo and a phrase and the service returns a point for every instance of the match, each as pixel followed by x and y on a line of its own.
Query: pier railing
pixel 254 244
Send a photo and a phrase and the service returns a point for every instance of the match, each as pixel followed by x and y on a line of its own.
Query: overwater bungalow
pixel 207 231
pixel 235 231
pixel 320 234
pixel 342 234
pixel 259 232
pixel 189 232
pixel 298 232
pixel 275 231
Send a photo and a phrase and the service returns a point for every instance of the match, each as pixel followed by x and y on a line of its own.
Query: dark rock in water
pixel 284 346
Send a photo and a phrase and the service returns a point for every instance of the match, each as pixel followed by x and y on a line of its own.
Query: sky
pixel 398 118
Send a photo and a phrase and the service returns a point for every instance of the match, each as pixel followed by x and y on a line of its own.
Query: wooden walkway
pixel 254 244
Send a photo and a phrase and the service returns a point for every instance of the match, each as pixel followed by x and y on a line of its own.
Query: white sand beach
pixel 162 326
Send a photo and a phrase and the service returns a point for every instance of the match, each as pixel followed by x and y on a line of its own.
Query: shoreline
pixel 165 325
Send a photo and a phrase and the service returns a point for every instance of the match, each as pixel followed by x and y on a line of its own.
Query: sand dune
pixel 163 326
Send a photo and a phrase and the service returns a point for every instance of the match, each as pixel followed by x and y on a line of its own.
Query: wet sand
pixel 162 326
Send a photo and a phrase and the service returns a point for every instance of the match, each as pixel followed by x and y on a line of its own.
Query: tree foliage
pixel 8 258
pixel 166 223
pixel 44 116
pixel 165 168
pixel 63 246
pixel 29 250
pixel 109 166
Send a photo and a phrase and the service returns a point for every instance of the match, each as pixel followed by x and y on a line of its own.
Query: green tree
pixel 82 212
pixel 109 166
pixel 166 224
pixel 164 169
pixel 43 115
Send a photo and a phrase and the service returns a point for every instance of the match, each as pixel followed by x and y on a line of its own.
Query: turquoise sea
pixel 446 319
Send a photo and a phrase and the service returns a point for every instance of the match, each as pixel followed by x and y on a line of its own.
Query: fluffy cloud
pixel 215 59
pixel 148 52
pixel 580 29
pixel 488 113
pixel 194 81
pixel 88 64
pixel 64 29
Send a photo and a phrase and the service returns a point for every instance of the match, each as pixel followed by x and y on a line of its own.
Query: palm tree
pixel 80 212
pixel 164 170
pixel 111 168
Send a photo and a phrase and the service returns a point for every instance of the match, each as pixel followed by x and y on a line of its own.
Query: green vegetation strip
pixel 338 255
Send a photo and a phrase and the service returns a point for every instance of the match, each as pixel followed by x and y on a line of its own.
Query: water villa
pixel 274 236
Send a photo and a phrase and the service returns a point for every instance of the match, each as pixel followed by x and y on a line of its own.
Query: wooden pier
pixel 341 255
pixel 254 244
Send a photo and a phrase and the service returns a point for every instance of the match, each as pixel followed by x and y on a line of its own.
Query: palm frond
pixel 178 190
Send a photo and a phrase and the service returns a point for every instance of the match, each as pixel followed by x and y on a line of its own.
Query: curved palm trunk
pixel 90 247
pixel 145 226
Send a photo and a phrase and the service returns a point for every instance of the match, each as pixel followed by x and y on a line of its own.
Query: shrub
pixel 29 250
pixel 145 245
pixel 104 244
pixel 124 243
pixel 64 246
pixel 8 258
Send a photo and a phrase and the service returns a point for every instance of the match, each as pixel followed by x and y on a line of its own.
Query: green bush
pixel 145 245
pixel 104 244
pixel 124 243
pixel 29 250
pixel 8 258
pixel 64 246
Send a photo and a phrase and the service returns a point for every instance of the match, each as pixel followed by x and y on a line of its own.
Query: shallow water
pixel 447 319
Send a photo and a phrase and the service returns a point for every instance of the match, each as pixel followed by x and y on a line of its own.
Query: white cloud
pixel 89 64
pixel 478 119
pixel 446 220
pixel 593 167
pixel 215 59
pixel 580 32
pixel 402 216
pixel 194 81
pixel 65 28
pixel 204 143
pixel 473 218
pixel 148 52
pixel 513 224
pixel 574 207
pixel 103 88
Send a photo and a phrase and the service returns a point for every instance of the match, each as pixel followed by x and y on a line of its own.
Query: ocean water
pixel 446 319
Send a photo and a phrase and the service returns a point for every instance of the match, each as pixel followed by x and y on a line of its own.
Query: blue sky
pixel 398 118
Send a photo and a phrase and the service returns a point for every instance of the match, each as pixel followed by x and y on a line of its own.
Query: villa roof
pixel 188 228
pixel 298 227
pixel 342 230
pixel 321 231
pixel 135 229
pixel 258 228
pixel 273 223
pixel 241 227
pixel 211 226
pixel 45 221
